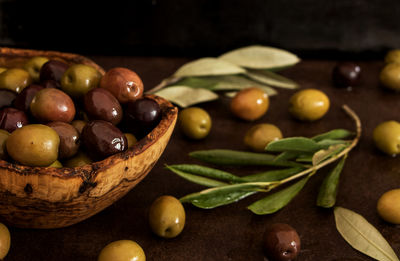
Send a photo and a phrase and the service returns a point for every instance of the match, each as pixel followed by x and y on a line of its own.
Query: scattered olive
pixel 79 79
pixel 78 124
pixel 142 116
pixel 5 241
pixel 53 70
pixel 389 76
pixel 167 217
pixel 122 250
pixel 33 66
pixel 6 98
pixel 12 119
pixel 195 122
pixel 52 105
pixel 80 159
pixel 15 79
pixel 131 139
pixel 258 136
pixel 56 164
pixel 3 139
pixel 281 242
pixel 33 145
pixel 393 56
pixel 100 104
pixel 250 104
pixel 309 104
pixel 387 137
pixel 123 83
pixel 24 98
pixel 388 206
pixel 69 139
pixel 346 74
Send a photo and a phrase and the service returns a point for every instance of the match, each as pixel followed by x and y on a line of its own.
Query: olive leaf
pixel 260 57
pixel 206 172
pixel 328 190
pixel 272 175
pixel 300 144
pixel 196 179
pixel 333 135
pixel 363 236
pixel 271 78
pixel 278 200
pixel 322 155
pixel 208 66
pixel 185 96
pixel 329 142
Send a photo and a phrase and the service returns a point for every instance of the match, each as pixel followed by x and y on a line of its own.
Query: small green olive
pixel 33 66
pixel 122 250
pixel 258 136
pixel 131 139
pixel 15 79
pixel 390 76
pixel 56 164
pixel 195 122
pixel 388 206
pixel 393 56
pixel 80 159
pixel 78 79
pixel 309 104
pixel 250 104
pixel 5 241
pixel 167 217
pixel 387 137
pixel 3 139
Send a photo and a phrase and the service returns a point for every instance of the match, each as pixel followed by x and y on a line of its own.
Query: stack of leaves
pixel 252 66
pixel 297 158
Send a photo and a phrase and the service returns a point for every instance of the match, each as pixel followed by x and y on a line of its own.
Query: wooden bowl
pixel 39 197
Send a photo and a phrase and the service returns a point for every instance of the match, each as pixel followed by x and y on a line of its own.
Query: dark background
pixel 314 28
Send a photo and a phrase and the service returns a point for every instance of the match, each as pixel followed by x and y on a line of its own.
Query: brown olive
pixel 346 74
pixel 309 104
pixel 100 104
pixel 122 250
pixel 3 139
pixel 80 159
pixel 250 104
pixel 281 242
pixel 52 70
pixel 24 98
pixel 12 119
pixel 123 83
pixel 388 206
pixel 52 105
pixel 258 136
pixel 15 79
pixel 50 84
pixel 69 139
pixel 7 98
pixel 5 241
pixel 79 125
pixel 131 139
pixel 102 139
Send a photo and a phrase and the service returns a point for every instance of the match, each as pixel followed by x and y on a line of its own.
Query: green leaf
pixel 328 190
pixel 362 236
pixel 300 144
pixel 214 197
pixel 333 135
pixel 272 175
pixel 271 78
pixel 328 142
pixel 260 57
pixel 278 200
pixel 208 66
pixel 323 155
pixel 185 96
pixel 240 158
pixel 197 179
pixel 207 172
pixel 288 155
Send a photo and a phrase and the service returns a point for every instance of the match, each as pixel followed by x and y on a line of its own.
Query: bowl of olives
pixel 73 138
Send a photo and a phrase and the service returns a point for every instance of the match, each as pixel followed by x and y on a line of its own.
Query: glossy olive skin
pixel 5 241
pixel 79 125
pixel 122 250
pixel 3 139
pixel 102 139
pixel 258 136
pixel 34 145
pixel 33 66
pixel 100 104
pixel 389 76
pixel 53 70
pixel 80 159
pixel 50 84
pixel 52 105
pixel 250 104
pixel 69 139
pixel 346 74
pixel 167 217
pixel 309 104
pixel 12 119
pixel 393 56
pixel 123 83
pixel 195 123
pixel 141 116
pixel 281 242
pixel 387 137
pixel 24 98
pixel 131 139
pixel 7 98
pixel 388 206
pixel 15 79
pixel 79 79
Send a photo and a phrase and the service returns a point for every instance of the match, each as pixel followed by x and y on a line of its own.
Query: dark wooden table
pixel 232 232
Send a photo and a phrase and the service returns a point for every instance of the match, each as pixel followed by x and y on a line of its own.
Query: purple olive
pixel 53 70
pixel 281 242
pixel 69 139
pixel 50 84
pixel 346 74
pixel 24 98
pixel 12 119
pixel 100 104
pixel 6 98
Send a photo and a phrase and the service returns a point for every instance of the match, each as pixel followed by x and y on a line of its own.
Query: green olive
pixel 131 139
pixel 3 139
pixel 390 76
pixel 78 124
pixel 78 79
pixel 309 104
pixel 195 122
pixel 393 56
pixel 250 104
pixel 122 250
pixel 33 66
pixel 167 217
pixel 34 145
pixel 5 241
pixel 80 159
pixel 15 79
pixel 387 137
pixel 258 136
pixel 388 206
pixel 56 164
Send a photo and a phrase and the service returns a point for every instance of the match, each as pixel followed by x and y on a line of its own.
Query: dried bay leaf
pixel 361 235
pixel 208 66
pixel 185 96
pixel 260 57
pixel 271 78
